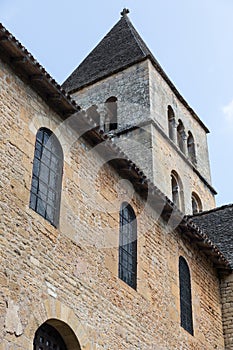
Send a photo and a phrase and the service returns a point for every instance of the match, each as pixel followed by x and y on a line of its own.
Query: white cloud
pixel 228 113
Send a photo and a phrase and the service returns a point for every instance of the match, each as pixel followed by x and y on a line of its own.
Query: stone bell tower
pixel 141 109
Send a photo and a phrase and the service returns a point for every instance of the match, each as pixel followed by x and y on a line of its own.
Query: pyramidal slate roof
pixel 120 48
pixel 217 224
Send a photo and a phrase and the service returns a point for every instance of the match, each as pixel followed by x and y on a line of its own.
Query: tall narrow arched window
pixel 128 246
pixel 111 114
pixel 177 190
pixel 186 317
pixel 47 176
pixel 93 114
pixel 191 148
pixel 181 136
pixel 171 123
pixel 196 203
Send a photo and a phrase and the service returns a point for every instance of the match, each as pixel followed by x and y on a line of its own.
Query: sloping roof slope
pixel 120 48
pixel 218 225
pixel 28 69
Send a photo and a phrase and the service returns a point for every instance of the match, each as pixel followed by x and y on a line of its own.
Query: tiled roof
pixel 218 225
pixel 119 49
pixel 23 63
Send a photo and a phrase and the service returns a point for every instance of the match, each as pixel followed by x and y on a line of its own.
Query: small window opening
pixel 171 123
pixel 177 190
pixel 196 204
pixel 111 114
pixel 93 114
pixel 181 136
pixel 191 148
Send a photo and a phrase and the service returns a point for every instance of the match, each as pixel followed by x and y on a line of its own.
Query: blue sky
pixel 192 40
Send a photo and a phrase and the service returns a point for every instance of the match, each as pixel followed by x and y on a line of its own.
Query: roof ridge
pixel 131 28
pixel 222 207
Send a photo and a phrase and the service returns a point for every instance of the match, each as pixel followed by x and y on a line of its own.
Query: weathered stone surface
pixel 79 260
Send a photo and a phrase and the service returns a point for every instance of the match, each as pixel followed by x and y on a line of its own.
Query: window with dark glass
pixel 186 317
pixel 47 176
pixel 128 246
pixel 47 337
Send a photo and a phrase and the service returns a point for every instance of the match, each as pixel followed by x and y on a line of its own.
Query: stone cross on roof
pixel 124 12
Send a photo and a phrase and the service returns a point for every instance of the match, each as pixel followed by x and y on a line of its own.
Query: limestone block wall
pixel 161 96
pixel 69 275
pixel 143 97
pixel 227 310
pixel 166 160
pixel 130 87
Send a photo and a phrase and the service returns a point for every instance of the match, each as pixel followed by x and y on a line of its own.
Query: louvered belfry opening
pixel 48 338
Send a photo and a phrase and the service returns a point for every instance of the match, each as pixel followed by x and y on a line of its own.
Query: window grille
pixel 128 246
pixel 47 176
pixel 47 338
pixel 186 318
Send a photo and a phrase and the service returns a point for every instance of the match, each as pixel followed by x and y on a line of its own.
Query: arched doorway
pixel 55 335
pixel 47 337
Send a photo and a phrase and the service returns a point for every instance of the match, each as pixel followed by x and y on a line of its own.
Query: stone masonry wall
pixel 165 160
pixel 143 96
pixel 227 310
pixel 161 96
pixel 69 275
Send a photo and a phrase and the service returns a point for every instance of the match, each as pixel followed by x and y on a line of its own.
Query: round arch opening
pixel 57 335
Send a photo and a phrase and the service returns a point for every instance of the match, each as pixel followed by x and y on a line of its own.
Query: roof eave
pixel 28 69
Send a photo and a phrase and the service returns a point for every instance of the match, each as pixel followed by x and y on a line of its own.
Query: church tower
pixel 143 112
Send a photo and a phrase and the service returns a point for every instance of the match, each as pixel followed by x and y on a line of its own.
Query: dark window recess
pixel 47 338
pixel 47 176
pixel 186 318
pixel 128 246
pixel 111 114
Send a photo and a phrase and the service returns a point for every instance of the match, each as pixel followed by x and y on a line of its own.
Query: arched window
pixel 181 136
pixel 111 114
pixel 128 246
pixel 186 317
pixel 93 114
pixel 47 337
pixel 171 122
pixel 177 190
pixel 191 148
pixel 196 203
pixel 47 176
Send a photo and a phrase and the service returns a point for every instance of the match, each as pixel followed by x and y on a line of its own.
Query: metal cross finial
pixel 124 12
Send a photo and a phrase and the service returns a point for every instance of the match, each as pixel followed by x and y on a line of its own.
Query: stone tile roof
pixel 119 49
pixel 24 64
pixel 217 224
